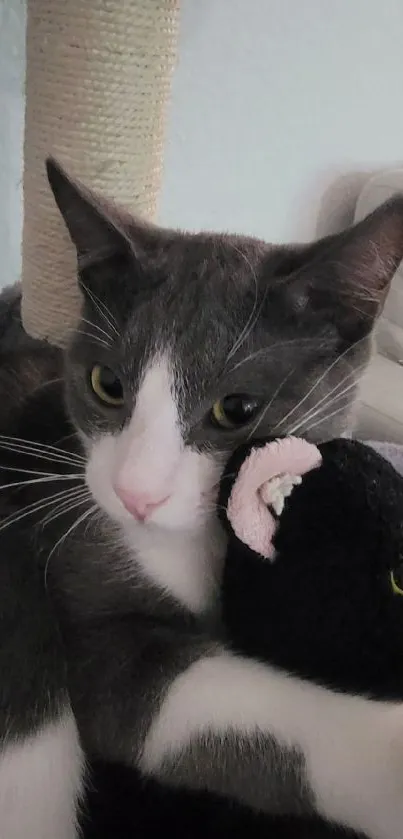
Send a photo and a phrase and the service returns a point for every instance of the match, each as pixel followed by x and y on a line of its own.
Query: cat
pixel 117 800
pixel 188 344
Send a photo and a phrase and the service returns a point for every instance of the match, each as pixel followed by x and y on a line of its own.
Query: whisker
pixel 35 506
pixel 327 398
pixel 65 535
pixel 270 403
pixel 218 483
pixel 65 506
pixel 39 449
pixel 57 460
pixel 245 332
pixel 317 383
pixel 354 372
pixel 92 337
pixel 68 437
pixel 324 419
pixel 267 350
pixel 95 326
pixel 103 310
pixel 46 384
pixel 324 407
pixel 39 445
pixel 43 480
pixel 27 471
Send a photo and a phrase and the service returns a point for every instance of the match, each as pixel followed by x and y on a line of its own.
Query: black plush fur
pixel 325 608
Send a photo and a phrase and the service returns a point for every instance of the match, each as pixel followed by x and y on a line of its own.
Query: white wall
pixel 274 103
pixel 12 74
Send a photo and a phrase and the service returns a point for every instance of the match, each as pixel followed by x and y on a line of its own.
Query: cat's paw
pixel 277 489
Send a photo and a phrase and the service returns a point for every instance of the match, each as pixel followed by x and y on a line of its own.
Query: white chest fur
pixel 185 564
pixel 40 783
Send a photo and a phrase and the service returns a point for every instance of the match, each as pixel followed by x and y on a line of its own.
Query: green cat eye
pixel 396 581
pixel 234 411
pixel 107 386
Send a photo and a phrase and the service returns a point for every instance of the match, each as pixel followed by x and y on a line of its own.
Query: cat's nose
pixel 140 505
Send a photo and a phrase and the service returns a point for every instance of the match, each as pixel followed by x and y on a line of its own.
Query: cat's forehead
pixel 203 267
pixel 193 329
pixel 208 288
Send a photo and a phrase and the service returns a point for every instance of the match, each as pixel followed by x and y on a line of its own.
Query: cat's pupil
pixel 109 383
pixel 239 409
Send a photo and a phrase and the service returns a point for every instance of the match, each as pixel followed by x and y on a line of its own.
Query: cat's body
pixel 131 554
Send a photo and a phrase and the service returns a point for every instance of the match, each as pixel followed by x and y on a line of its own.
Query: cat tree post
pixel 98 79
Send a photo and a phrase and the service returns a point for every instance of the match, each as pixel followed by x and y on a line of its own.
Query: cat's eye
pixel 396 581
pixel 107 386
pixel 234 411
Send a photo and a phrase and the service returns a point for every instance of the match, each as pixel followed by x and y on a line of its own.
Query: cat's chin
pixel 185 562
pixel 169 523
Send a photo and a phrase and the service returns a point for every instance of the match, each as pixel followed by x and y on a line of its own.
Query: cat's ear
pixel 96 228
pixel 350 273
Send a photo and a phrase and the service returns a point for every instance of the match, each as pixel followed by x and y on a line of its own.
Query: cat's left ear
pixel 349 274
pixel 97 229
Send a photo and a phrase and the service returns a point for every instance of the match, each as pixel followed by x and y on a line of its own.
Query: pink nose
pixel 141 506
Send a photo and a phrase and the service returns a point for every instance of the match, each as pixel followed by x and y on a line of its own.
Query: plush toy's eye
pixel 234 411
pixel 396 581
pixel 107 386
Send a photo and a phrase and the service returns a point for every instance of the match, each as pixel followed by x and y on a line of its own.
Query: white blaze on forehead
pixel 150 447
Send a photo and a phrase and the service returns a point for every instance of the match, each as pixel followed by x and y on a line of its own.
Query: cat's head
pixel 189 344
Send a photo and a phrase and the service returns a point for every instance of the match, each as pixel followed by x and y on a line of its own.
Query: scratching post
pixel 98 80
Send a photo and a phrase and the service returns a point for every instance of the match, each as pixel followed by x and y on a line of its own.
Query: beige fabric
pixel 98 80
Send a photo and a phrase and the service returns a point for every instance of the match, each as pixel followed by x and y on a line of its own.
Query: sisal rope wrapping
pixel 98 80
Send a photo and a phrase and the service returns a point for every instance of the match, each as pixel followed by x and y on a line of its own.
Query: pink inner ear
pixel 250 518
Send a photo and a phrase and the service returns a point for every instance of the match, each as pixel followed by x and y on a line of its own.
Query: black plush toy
pixel 313 583
pixel 326 602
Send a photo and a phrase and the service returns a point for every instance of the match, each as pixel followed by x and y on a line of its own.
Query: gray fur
pixel 248 764
pixel 26 364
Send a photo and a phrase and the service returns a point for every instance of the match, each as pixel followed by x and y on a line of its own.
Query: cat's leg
pixel 41 762
pixel 193 714
pixel 276 742
pixel 40 782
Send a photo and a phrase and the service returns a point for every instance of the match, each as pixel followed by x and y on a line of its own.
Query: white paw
pixel 275 491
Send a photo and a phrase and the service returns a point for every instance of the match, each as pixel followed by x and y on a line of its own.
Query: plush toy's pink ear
pixel 248 512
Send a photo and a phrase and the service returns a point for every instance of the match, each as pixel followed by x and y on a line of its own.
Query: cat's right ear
pixel 346 276
pixel 97 229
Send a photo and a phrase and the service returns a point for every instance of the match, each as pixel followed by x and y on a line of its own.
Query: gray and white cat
pixel 188 345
